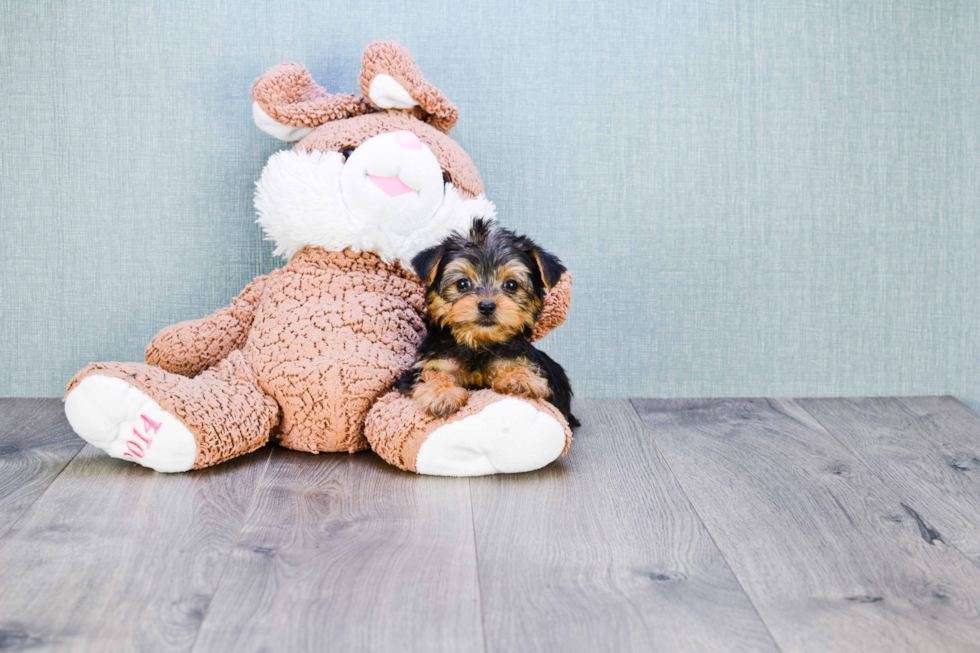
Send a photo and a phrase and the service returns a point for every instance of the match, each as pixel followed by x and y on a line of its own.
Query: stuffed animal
pixel 308 354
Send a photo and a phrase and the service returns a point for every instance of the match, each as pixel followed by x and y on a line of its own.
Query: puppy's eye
pixel 511 286
pixel 347 154
pixel 446 177
pixel 463 285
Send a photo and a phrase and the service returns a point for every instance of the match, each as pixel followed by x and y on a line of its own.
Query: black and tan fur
pixel 469 348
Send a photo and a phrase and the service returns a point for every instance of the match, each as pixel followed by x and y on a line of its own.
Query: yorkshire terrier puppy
pixel 485 290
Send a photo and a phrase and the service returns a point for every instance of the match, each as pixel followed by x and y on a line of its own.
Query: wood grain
pixel 927 449
pixel 36 443
pixel 603 552
pixel 344 552
pixel 841 521
pixel 117 557
pixel 829 555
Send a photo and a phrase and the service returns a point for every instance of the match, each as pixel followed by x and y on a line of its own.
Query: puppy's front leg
pixel 440 391
pixel 518 377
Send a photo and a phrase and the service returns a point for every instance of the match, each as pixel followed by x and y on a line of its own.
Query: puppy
pixel 485 290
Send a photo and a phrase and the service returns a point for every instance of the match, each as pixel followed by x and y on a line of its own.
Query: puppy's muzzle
pixel 486 307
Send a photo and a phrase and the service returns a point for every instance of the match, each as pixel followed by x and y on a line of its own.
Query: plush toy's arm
pixel 188 348
pixel 556 304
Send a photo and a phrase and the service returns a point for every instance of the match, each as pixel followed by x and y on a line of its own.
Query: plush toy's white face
pixel 387 196
pixel 393 181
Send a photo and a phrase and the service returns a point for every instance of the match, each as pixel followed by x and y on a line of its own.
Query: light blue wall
pixel 756 198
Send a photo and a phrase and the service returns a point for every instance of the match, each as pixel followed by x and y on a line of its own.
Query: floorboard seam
pixel 3 536
pixel 901 495
pixel 231 550
pixel 707 530
pixel 476 557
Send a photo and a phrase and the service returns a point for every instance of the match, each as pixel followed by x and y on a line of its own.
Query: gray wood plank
pixel 824 549
pixel 36 443
pixel 345 552
pixel 603 552
pixel 927 449
pixel 117 557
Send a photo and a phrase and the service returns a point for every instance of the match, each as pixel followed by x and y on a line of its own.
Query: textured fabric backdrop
pixel 756 198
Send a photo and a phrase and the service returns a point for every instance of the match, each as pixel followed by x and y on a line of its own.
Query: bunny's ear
pixel 288 104
pixel 392 80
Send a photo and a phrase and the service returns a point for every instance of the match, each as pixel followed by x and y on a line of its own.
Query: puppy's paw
pixel 439 398
pixel 522 382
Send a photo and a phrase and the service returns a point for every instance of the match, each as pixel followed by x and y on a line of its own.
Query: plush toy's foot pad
pixel 124 422
pixel 506 437
pixel 492 434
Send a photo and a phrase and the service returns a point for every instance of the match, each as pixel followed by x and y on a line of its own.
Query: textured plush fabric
pixel 392 59
pixel 188 348
pixel 756 198
pixel 396 427
pixel 288 94
pixel 555 309
pixel 331 335
pixel 224 407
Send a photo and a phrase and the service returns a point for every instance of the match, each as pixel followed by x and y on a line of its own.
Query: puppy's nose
pixel 486 307
pixel 408 140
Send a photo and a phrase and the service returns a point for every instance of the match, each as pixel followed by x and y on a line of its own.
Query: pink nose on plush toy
pixel 408 140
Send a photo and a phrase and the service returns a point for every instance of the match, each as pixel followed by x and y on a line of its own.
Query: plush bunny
pixel 309 354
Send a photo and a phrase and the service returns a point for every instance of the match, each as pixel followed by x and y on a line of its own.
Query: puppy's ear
pixel 426 263
pixel 549 266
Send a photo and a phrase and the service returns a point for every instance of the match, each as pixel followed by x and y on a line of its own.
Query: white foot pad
pixel 507 437
pixel 125 423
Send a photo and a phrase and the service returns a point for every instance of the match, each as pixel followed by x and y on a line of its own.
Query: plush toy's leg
pixel 169 422
pixel 491 434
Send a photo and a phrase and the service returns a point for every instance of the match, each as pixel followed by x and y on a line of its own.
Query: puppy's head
pixel 487 285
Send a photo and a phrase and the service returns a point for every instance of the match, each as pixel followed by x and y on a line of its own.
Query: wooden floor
pixel 672 525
